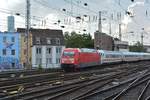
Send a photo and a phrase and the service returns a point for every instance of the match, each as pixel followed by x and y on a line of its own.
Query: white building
pixel 47 48
pixel 121 46
pixel 11 24
pixel 147 47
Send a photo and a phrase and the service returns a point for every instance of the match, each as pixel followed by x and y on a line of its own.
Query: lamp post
pixel 100 29
pixel 27 30
pixel 142 36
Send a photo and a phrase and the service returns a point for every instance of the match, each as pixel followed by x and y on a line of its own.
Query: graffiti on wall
pixel 8 44
pixel 9 63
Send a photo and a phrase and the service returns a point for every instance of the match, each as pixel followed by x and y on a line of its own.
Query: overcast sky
pixel 46 13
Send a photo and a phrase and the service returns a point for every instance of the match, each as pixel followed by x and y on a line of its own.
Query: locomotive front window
pixel 70 54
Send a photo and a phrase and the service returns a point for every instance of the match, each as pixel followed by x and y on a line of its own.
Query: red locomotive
pixel 75 58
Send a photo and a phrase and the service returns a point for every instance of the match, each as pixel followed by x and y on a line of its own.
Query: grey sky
pixel 47 12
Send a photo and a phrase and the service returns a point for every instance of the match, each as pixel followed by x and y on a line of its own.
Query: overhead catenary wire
pixel 88 9
pixel 37 18
pixel 67 13
pixel 13 12
pixel 57 9
pixel 40 19
pixel 125 10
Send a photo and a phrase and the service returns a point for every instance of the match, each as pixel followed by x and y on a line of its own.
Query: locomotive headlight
pixel 71 60
pixel 67 60
pixel 62 61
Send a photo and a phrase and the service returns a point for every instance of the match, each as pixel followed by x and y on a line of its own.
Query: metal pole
pixel 120 35
pixel 142 38
pixel 111 18
pixel 100 30
pixel 27 30
pixel 100 23
pixel 119 18
pixel 71 8
pixel 110 27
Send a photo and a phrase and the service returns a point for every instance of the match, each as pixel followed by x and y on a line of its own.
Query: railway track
pixel 144 94
pixel 29 81
pixel 128 90
pixel 47 89
pixel 40 77
pixel 89 89
pixel 21 73
pixel 56 89
pixel 137 85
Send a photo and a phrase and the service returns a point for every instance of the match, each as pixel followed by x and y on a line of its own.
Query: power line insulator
pixel 62 26
pixel 78 17
pixel 59 21
pixel 85 4
pixel 64 9
pixel 104 19
pixel 84 30
pixel 18 14
pixel 77 21
pixel 85 15
pixel 128 13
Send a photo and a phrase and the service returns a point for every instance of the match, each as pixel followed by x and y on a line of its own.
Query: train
pixel 76 58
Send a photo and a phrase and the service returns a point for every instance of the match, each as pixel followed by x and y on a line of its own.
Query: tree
pixel 74 40
pixel 137 47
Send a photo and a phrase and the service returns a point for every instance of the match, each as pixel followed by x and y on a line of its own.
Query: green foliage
pixel 74 40
pixel 40 67
pixel 137 47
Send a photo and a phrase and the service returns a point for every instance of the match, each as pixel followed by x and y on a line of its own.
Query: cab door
pixel 77 58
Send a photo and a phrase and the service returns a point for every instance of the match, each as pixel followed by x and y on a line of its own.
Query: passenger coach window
pixel 68 54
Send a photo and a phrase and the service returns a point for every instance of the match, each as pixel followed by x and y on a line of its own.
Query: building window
pixel 38 61
pixel 24 39
pixel 49 41
pixel 25 51
pixel 57 41
pixel 48 51
pixel 13 65
pixel 12 52
pixel 38 50
pixel 4 51
pixel 57 60
pixel 38 40
pixel 4 39
pixel 12 39
pixel 58 50
pixel 48 60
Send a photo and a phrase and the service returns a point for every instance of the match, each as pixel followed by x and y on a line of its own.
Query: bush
pixel 40 67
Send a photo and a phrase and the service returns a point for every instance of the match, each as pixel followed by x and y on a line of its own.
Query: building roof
pixel 44 34
pixel 57 32
pixel 147 46
pixel 103 34
pixel 9 33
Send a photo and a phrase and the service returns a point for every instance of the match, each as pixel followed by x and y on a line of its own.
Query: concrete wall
pixel 54 56
pixel 121 46
pixel 23 51
pixel 103 41
pixel 7 60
